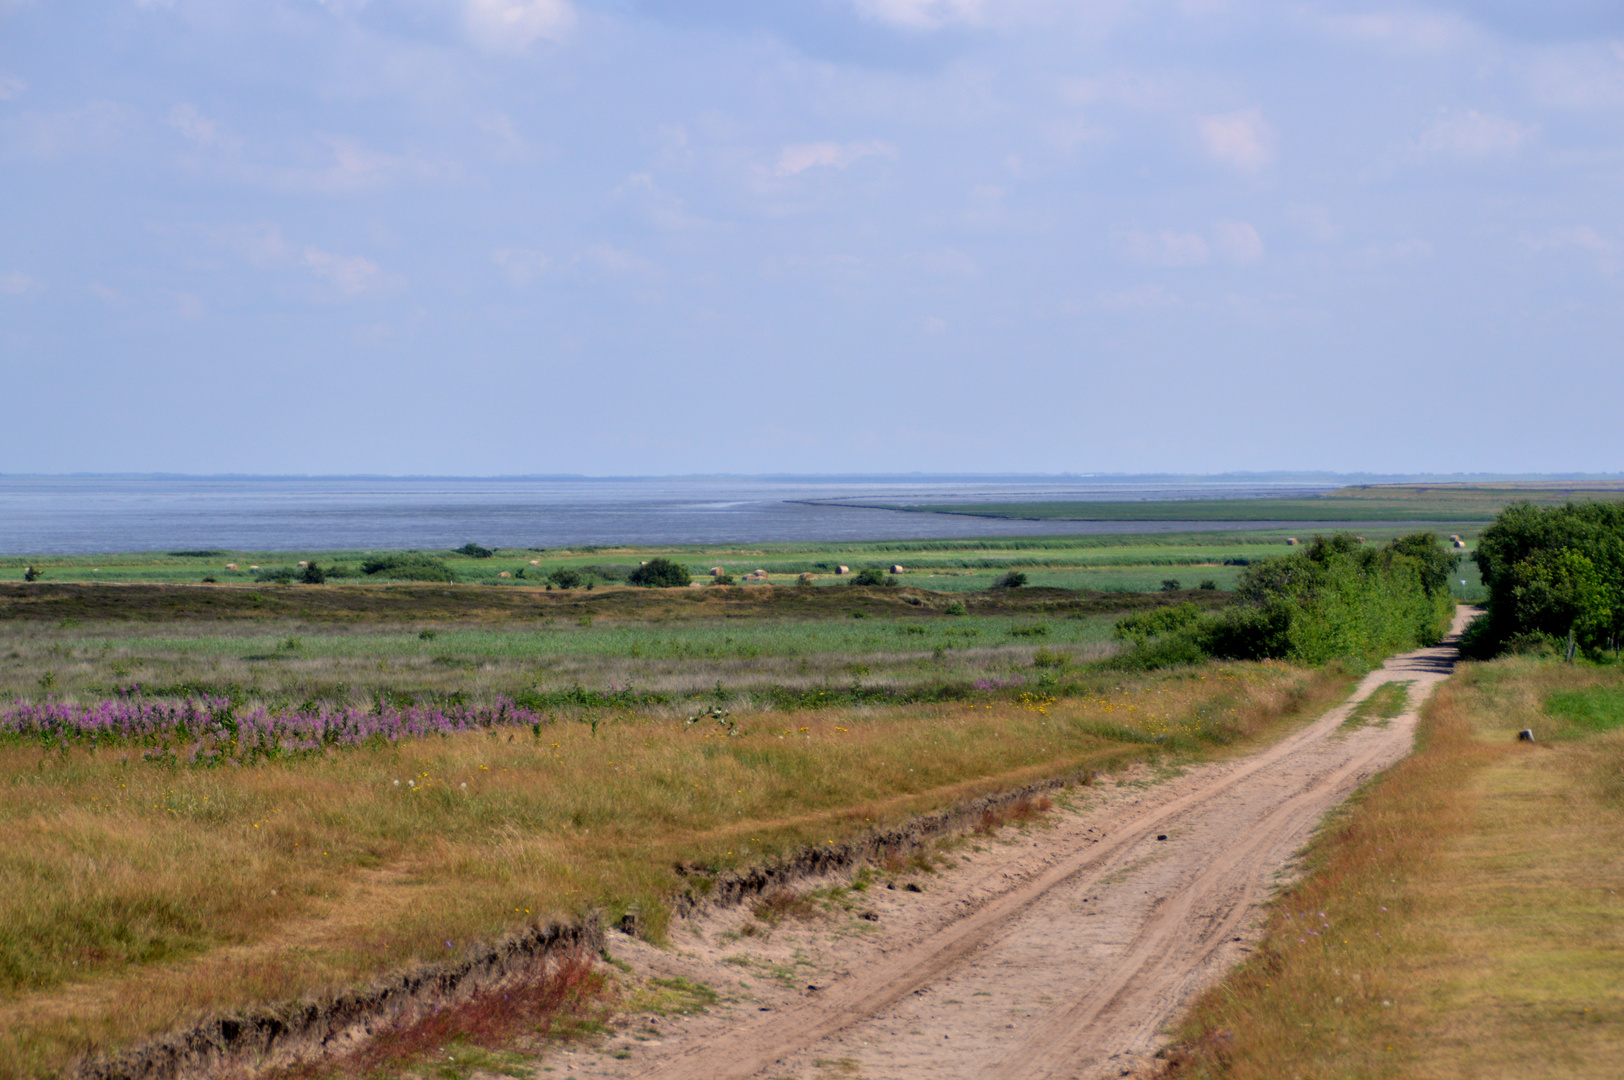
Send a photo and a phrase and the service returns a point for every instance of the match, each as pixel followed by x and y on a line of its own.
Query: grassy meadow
pixel 1462 916
pixel 135 896
pixel 1106 563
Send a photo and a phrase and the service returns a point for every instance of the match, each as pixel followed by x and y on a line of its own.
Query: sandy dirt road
pixel 1055 952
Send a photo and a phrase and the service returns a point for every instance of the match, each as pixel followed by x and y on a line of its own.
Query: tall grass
pixel 1460 918
pixel 133 896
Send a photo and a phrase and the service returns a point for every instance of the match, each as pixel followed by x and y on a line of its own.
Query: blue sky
pixel 652 236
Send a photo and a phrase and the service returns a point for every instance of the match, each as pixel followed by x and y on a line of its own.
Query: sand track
pixel 1061 952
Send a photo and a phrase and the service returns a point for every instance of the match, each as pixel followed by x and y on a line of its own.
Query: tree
pixel 312 574
pixel 660 574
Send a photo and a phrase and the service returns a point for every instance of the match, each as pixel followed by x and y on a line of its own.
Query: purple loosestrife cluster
pixel 209 730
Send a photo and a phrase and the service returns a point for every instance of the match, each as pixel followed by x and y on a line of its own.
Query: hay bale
pixel 896 568
pixel 716 571
pixel 231 566
pixel 504 573
pixel 1291 541
pixel 842 569
pixel 806 579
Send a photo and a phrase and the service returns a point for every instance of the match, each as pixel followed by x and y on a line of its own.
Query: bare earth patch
pixel 1059 948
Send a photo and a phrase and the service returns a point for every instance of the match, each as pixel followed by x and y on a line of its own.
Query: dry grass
pixel 1462 920
pixel 134 898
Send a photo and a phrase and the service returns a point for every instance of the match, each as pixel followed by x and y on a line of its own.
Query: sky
pixel 649 237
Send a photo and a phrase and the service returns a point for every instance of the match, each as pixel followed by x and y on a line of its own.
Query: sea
pixel 79 514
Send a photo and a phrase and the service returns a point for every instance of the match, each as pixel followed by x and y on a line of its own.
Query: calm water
pixel 67 515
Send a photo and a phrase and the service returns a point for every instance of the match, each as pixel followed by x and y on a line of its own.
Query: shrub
pixel 1171 584
pixel 565 578
pixel 32 574
pixel 474 551
pixel 279 575
pixel 871 575
pixel 1141 626
pixel 660 574
pixel 407 566
pixel 722 579
pixel 955 608
pixel 1207 583
pixel 313 574
pixel 1012 580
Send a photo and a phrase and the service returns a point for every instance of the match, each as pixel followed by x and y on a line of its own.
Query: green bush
pixel 312 574
pixel 474 551
pixel 1012 580
pixel 660 574
pixel 1207 584
pixel 1335 600
pixel 872 575
pixel 1171 584
pixel 1144 625
pixel 565 578
pixel 407 566
pixel 279 575
pixel 32 574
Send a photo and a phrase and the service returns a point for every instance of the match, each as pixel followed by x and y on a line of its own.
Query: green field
pixel 1114 563
pixel 1447 504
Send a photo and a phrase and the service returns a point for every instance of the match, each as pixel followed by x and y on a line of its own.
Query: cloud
pixel 260 245
pixel 523 265
pixel 1405 31
pixel 17 283
pixel 1166 248
pixel 664 210
pixel 618 262
pixel 943 262
pixel 1584 238
pixel 1314 221
pixel 200 129
pixel 1476 135
pixel 921 14
pixel 1579 77
pixel 511 26
pixel 1580 236
pixel 11 87
pixel 1399 251
pixel 1144 298
pixel 799 157
pixel 1238 241
pixel 351 275
pixel 93 127
pixel 1242 140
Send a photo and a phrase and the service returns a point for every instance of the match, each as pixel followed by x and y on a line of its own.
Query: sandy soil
pixel 1058 950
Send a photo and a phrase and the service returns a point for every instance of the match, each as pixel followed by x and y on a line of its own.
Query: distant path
pixel 1064 956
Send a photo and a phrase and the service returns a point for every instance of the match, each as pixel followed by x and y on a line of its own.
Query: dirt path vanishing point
pixel 1060 951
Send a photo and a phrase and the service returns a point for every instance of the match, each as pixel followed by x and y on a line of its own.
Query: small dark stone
pixel 911 887
pixel 871 916
pixel 1525 735
pixel 1161 836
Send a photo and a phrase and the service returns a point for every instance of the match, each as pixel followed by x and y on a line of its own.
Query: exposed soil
pixel 1057 949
